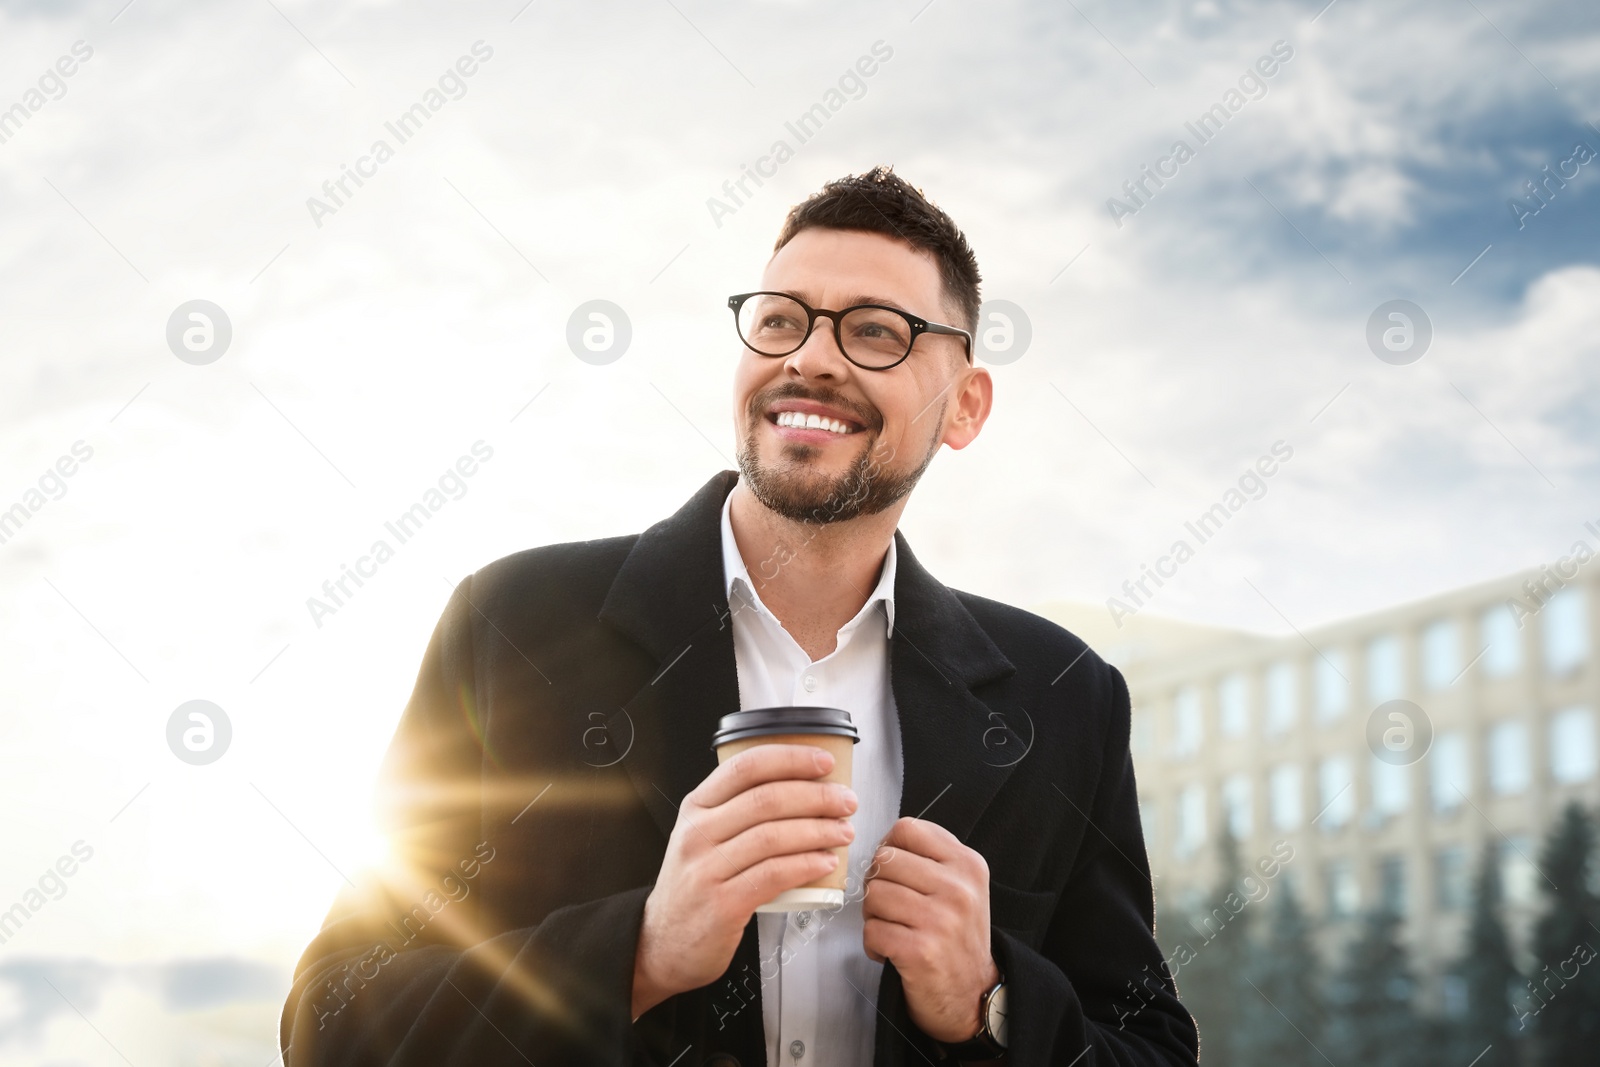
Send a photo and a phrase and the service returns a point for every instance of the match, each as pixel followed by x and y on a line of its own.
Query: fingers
pixel 754 766
pixel 884 940
pixel 894 902
pixel 925 839
pixel 933 842
pixel 781 837
pixel 917 873
pixel 772 801
pixel 756 885
pixel 764 804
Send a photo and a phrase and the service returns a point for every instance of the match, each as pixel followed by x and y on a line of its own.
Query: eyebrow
pixel 851 301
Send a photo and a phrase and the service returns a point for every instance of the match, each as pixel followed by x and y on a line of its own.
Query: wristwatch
pixel 990 1041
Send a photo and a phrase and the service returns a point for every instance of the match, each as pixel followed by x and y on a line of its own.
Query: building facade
pixel 1387 750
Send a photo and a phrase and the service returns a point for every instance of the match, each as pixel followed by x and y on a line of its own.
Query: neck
pixel 813 577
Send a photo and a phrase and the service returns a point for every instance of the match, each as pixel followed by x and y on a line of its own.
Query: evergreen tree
pixel 1211 981
pixel 1371 1018
pixel 1487 971
pixel 1280 1016
pixel 1564 993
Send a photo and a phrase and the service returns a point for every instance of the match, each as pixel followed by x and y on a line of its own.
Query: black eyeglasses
pixel 871 336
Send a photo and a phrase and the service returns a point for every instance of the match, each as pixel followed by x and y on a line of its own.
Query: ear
pixel 973 398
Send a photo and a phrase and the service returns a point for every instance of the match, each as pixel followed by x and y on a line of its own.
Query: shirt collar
pixel 733 569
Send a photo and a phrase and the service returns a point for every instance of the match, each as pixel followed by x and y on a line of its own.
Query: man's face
pixel 896 419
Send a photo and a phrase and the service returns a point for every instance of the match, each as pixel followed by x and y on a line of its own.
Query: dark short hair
pixel 880 201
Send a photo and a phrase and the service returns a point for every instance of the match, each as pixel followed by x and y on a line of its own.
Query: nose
pixel 820 356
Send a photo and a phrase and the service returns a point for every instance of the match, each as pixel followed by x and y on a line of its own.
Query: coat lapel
pixel 957 750
pixel 669 598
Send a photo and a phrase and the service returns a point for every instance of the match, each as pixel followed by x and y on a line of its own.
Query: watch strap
pixel 981 1047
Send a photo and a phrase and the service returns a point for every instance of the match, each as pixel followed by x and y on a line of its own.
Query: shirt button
pixel 810 682
pixel 797 1048
pixel 803 919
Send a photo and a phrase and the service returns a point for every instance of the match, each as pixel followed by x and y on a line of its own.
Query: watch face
pixel 997 1016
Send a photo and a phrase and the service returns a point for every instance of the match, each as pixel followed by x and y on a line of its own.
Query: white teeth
pixel 811 422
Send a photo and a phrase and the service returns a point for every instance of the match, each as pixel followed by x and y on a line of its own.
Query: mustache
pixel 867 417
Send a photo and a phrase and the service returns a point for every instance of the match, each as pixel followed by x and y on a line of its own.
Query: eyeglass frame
pixel 917 323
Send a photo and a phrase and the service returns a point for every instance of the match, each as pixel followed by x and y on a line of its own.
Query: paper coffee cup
pixel 825 728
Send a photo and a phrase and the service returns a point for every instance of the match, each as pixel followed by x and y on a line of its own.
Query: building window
pixel 1337 801
pixel 1391 787
pixel 1281 703
pixel 1566 631
pixel 1449 776
pixel 1344 894
pixel 1519 878
pixel 1441 654
pixel 1191 830
pixel 1236 805
pixel 1186 724
pixel 1333 687
pixel 1233 705
pixel 1501 640
pixel 1284 786
pixel 1385 672
pixel 1392 884
pixel 1142 732
pixel 1289 884
pixel 1572 753
pixel 1149 820
pixel 1190 899
pixel 1508 758
pixel 1450 878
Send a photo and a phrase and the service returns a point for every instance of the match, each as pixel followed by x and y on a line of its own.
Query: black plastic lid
pixel 763 722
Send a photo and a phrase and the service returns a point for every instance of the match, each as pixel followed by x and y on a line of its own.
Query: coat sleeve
pixel 1098 981
pixel 408 969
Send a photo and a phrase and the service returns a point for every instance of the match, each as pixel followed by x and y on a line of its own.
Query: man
pixel 580 876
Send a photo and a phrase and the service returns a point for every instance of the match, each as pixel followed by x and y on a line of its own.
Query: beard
pixel 787 487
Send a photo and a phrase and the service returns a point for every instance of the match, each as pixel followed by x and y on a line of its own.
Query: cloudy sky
pixel 378 337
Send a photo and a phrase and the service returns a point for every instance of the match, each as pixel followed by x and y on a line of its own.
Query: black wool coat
pixel 565 707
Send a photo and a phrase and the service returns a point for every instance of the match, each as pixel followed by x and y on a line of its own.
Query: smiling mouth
pixel 799 420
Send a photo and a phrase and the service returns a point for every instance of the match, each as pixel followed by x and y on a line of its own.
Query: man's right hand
pixel 759 824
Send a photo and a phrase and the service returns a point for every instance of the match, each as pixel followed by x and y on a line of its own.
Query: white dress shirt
pixel 819 990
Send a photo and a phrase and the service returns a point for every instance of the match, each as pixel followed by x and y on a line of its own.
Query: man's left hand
pixel 927 910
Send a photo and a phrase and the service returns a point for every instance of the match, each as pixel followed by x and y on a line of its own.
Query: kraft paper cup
pixel 825 728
